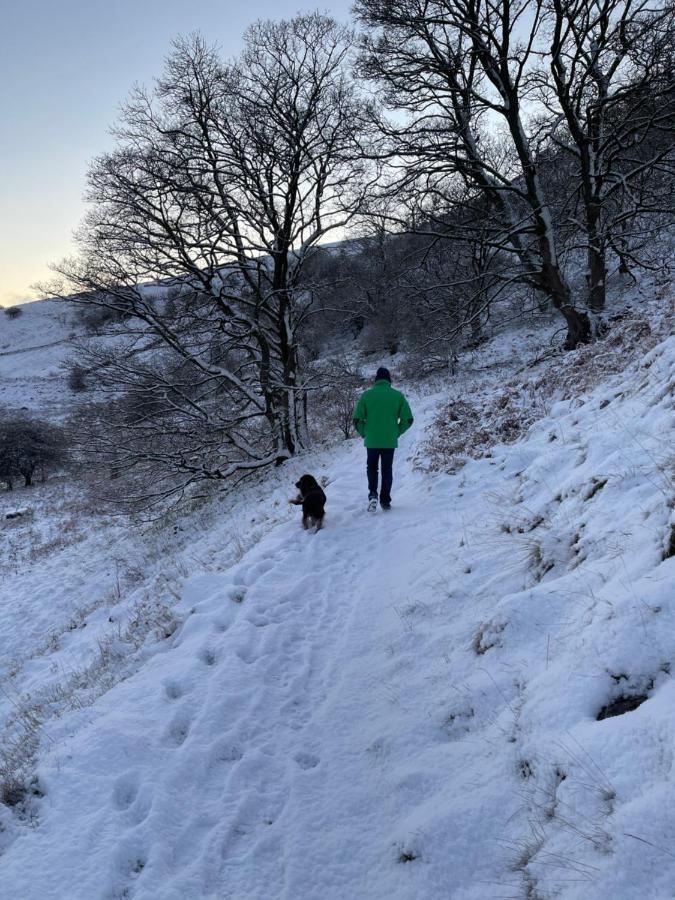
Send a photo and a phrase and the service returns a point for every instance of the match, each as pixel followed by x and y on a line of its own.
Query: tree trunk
pixel 578 323
pixel 476 329
pixel 597 269
pixel 552 278
pixel 289 407
pixel 578 327
pixel 597 273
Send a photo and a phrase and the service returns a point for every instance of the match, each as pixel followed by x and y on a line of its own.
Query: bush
pixel 96 317
pixel 77 378
pixel 13 312
pixel 28 446
pixel 334 403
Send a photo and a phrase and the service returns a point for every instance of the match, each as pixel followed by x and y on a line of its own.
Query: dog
pixel 312 499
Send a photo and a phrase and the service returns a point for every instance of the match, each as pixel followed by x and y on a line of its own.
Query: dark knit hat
pixel 383 373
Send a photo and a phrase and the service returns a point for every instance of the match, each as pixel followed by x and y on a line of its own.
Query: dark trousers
pixel 386 460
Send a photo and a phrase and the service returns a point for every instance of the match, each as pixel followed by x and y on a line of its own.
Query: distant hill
pixel 34 345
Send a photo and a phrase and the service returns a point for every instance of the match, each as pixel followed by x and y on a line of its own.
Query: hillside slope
pixel 33 348
pixel 403 705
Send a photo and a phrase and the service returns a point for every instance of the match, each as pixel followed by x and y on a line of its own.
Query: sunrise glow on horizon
pixel 70 66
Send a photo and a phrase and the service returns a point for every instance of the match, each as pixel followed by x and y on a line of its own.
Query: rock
pixel 17 513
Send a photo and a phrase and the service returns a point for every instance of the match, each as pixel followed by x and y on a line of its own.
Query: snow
pixel 403 705
pixel 33 348
pixel 36 351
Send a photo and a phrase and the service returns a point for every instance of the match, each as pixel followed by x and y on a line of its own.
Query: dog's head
pixel 306 484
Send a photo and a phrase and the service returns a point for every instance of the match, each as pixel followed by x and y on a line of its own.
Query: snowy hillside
pixel 33 348
pixel 470 697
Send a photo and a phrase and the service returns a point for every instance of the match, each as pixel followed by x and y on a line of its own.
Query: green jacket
pixel 382 415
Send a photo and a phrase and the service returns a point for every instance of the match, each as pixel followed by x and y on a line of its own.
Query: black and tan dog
pixel 312 499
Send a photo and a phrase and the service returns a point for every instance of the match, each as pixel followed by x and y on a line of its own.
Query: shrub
pixel 77 378
pixel 13 312
pixel 334 403
pixel 28 446
pixel 96 317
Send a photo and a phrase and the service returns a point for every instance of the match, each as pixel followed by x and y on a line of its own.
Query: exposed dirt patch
pixel 621 705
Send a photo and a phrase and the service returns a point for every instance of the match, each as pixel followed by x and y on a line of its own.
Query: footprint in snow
pixel 224 751
pixel 179 729
pixel 129 860
pixel 132 799
pixel 173 690
pixel 125 791
pixel 207 656
pixel 306 760
pixel 238 594
pixel 295 712
pixel 248 576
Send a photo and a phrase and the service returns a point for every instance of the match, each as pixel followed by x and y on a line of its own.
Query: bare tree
pixel 420 291
pixel 608 83
pixel 459 70
pixel 505 98
pixel 225 180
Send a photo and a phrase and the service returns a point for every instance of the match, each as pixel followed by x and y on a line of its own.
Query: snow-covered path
pixel 276 723
pixel 403 705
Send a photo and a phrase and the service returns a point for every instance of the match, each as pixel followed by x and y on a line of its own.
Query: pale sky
pixel 65 66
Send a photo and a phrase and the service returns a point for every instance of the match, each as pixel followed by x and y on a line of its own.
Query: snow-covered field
pixel 404 705
pixel 33 348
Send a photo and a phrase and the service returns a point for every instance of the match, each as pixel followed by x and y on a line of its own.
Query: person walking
pixel 381 416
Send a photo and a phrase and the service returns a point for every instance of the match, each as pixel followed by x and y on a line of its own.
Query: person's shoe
pixel 385 504
pixel 372 504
